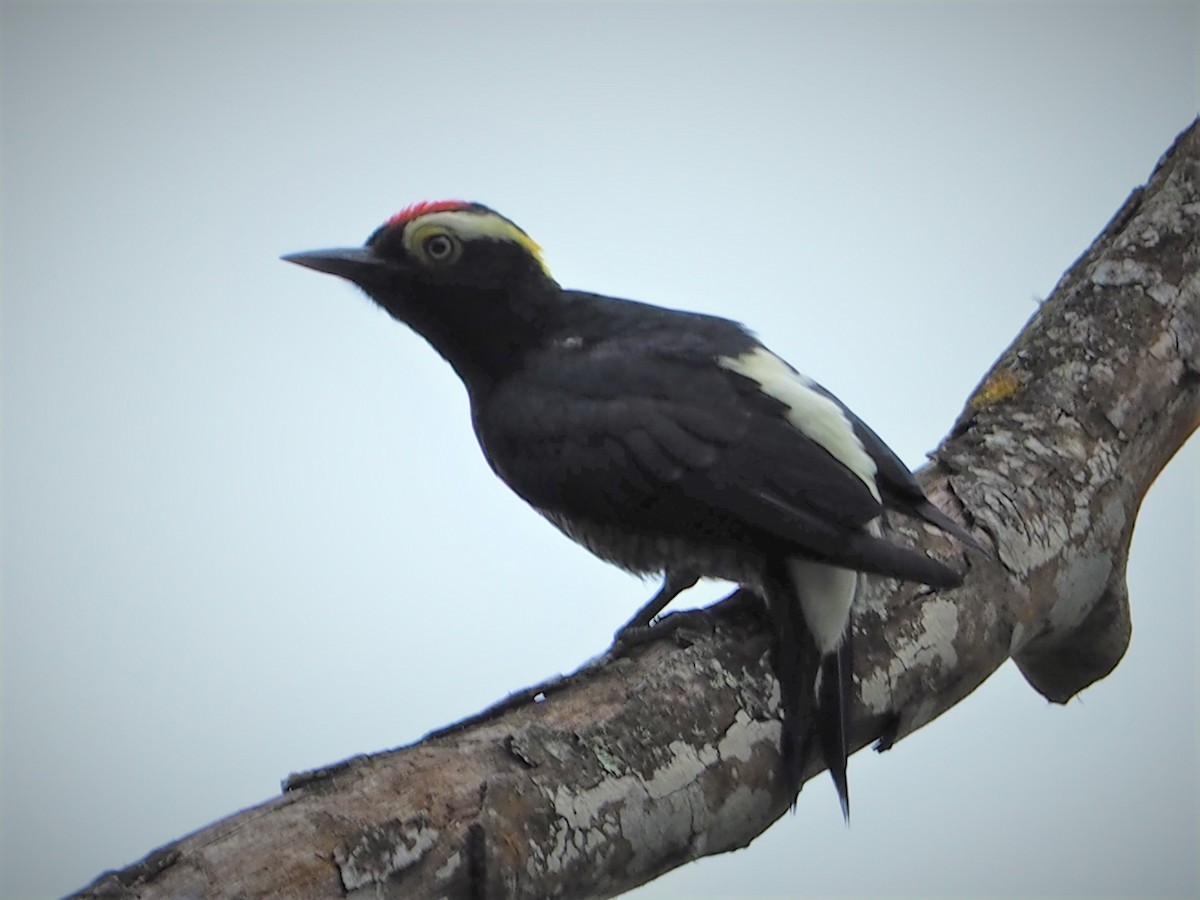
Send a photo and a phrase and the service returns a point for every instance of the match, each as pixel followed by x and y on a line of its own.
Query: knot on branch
pixel 1059 666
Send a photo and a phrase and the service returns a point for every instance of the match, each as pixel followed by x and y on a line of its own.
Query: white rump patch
pixel 826 595
pixel 809 411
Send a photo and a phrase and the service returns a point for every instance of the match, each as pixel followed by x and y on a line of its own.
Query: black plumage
pixel 666 442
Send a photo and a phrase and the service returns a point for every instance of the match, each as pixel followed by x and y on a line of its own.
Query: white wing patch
pixel 809 411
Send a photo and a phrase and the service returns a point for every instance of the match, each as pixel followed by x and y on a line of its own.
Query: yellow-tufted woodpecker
pixel 669 443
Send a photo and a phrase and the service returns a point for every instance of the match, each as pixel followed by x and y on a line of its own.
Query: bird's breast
pixel 649 553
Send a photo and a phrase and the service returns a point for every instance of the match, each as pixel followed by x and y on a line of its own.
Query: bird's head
pixel 440 247
pixel 462 275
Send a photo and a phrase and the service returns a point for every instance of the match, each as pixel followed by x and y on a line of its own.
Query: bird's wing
pixel 674 443
pixel 898 486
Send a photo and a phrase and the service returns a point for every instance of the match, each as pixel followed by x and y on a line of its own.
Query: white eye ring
pixel 439 247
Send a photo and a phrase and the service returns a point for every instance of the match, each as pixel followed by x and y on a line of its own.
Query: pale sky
pixel 247 530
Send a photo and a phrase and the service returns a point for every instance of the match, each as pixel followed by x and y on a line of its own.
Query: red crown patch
pixel 427 206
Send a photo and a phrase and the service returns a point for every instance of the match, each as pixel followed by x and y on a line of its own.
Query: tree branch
pixel 590 785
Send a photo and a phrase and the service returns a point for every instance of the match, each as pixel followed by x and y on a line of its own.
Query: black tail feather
pixel 815 691
pixel 795 661
pixel 831 716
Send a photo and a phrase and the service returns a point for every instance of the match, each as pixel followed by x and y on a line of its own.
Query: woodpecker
pixel 670 443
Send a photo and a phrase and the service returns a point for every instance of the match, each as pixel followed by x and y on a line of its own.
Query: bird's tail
pixel 814 685
pixel 830 717
pixel 796 662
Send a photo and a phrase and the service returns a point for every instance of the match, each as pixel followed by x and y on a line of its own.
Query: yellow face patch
pixel 465 225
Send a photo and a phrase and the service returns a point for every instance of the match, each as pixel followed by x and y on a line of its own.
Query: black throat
pixel 484 333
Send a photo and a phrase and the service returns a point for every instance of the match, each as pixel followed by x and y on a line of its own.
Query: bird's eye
pixel 439 247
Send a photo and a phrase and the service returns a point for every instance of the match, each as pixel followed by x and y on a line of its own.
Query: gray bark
pixel 591 785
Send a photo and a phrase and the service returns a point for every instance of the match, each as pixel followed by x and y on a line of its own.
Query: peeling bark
pixel 590 785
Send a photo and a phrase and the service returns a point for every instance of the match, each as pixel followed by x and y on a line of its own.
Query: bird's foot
pixel 636 630
pixel 686 627
pixel 888 733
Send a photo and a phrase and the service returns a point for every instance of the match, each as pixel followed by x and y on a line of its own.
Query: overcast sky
pixel 247 530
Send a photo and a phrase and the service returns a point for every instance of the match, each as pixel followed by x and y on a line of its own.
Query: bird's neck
pixel 487 334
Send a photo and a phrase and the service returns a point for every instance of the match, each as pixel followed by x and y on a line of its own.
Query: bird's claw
pixel 686 627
